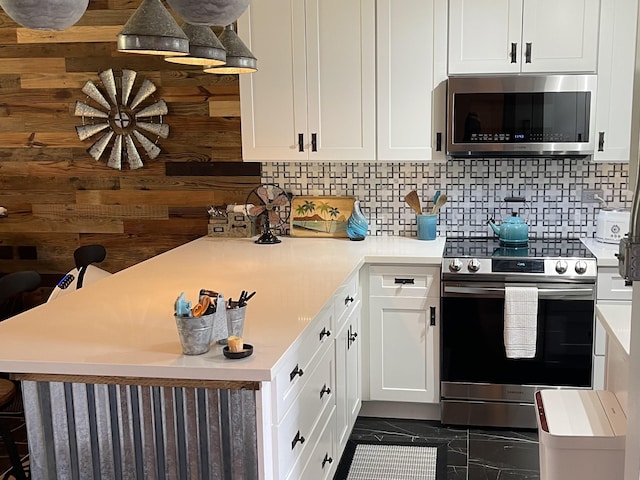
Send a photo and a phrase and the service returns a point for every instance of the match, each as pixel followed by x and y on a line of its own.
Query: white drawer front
pixel 324 459
pixel 611 286
pixel 345 300
pixel 298 364
pixel 403 281
pixel 295 432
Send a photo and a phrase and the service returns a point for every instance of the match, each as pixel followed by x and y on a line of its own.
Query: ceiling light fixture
pixel 45 14
pixel 204 47
pixel 239 57
pixel 152 30
pixel 209 12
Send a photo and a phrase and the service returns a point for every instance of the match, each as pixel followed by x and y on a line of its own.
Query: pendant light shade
pixel 152 30
pixel 45 14
pixel 209 12
pixel 239 57
pixel 204 47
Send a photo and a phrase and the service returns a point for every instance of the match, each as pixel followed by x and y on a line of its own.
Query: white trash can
pixel 581 435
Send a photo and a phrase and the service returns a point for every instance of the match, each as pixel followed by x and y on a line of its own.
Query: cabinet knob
pixel 325 333
pixel 326 459
pixel 294 372
pixel 296 439
pixel 348 300
pixel 324 390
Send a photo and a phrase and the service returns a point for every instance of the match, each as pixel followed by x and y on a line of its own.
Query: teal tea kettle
pixel 514 231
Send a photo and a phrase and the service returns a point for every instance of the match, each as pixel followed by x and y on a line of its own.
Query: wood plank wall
pixel 59 198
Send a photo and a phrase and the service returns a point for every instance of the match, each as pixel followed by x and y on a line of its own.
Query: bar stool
pixel 12 286
pixel 8 400
pixel 85 256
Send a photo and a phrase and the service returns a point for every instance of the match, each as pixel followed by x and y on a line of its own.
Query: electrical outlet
pixel 589 195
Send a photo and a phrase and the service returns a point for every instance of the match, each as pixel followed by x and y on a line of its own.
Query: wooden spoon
pixel 414 202
pixel 442 199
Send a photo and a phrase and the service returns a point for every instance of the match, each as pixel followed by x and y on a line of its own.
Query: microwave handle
pixel 514 52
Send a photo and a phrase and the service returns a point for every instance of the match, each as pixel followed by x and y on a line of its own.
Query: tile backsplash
pixel 476 188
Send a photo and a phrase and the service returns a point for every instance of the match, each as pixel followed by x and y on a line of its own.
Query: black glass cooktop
pixel 488 247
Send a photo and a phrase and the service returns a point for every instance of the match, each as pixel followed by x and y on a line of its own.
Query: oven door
pixel 473 350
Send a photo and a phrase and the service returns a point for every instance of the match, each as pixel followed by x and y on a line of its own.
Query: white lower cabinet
pixel 348 376
pixel 404 324
pixel 611 289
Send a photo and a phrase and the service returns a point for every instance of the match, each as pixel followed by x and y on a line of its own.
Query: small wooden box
pixel 236 225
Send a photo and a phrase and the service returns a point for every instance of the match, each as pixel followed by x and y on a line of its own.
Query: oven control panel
pixel 547 267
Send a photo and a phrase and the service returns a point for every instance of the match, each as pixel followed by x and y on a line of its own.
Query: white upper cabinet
pixel 411 79
pixel 616 60
pixel 313 96
pixel 523 36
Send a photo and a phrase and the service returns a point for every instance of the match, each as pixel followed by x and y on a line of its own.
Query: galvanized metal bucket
pixel 195 334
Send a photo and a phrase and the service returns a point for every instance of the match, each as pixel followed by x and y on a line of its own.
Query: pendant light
pixel 209 12
pixel 239 57
pixel 45 14
pixel 152 30
pixel 204 47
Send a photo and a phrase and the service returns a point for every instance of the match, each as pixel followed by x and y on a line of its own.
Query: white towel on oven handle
pixel 520 321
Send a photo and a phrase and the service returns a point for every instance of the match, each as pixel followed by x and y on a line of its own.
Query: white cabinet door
pixel 529 36
pixel 616 59
pixel 485 36
pixel 273 100
pixel 404 363
pixel 348 376
pixel 560 35
pixel 313 97
pixel 411 74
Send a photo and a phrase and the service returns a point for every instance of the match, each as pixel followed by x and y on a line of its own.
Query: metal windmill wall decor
pixel 125 124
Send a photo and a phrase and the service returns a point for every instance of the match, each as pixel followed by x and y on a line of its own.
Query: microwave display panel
pixel 521 117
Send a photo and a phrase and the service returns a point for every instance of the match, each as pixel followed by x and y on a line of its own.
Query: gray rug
pixel 373 460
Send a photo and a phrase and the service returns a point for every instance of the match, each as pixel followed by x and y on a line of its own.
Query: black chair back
pixel 12 286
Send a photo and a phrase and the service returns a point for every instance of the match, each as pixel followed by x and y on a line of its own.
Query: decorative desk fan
pixel 271 208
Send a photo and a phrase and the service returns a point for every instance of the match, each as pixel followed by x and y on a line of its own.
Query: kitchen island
pixel 108 392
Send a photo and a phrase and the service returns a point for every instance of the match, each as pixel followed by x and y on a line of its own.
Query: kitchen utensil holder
pixel 195 333
pixel 235 320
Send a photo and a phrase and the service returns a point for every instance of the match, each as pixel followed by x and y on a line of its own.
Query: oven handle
pixel 547 293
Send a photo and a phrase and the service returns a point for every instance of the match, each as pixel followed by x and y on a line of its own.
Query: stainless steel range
pixel 480 383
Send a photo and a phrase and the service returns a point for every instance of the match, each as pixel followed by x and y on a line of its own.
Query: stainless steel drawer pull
pixel 324 390
pixel 326 459
pixel 325 333
pixel 296 439
pixel 405 281
pixel 294 372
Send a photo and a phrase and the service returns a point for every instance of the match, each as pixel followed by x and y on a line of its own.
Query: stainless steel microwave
pixel 521 115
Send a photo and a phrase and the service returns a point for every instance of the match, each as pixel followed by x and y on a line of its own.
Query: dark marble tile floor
pixel 472 453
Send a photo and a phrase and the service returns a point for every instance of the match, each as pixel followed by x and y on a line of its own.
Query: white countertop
pixel 123 325
pixel 604 252
pixel 616 319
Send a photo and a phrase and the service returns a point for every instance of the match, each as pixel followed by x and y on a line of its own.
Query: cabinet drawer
pixel 403 281
pixel 345 299
pixel 324 458
pixel 611 285
pixel 297 429
pixel 299 362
